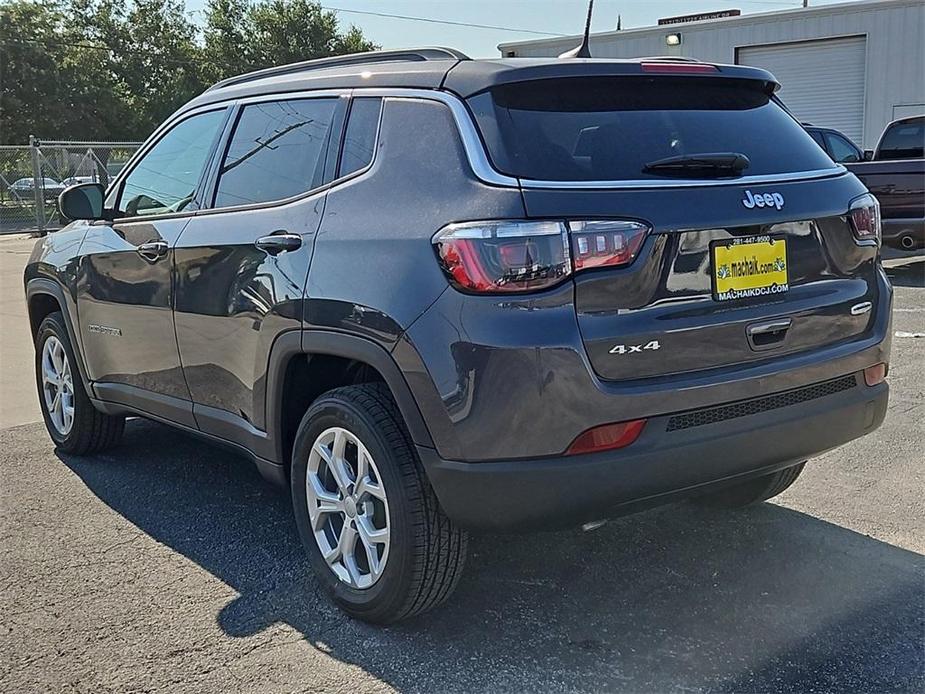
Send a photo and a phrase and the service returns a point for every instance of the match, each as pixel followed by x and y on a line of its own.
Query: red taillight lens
pixel 679 68
pixel 864 213
pixel 507 256
pixel 602 243
pixel 607 437
pixel 497 257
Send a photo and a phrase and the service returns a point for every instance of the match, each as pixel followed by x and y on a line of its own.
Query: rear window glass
pixel 904 140
pixel 586 129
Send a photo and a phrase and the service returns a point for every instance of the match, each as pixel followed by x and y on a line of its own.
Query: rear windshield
pixel 905 140
pixel 606 129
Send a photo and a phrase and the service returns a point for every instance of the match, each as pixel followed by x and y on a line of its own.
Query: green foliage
pixel 250 36
pixel 107 70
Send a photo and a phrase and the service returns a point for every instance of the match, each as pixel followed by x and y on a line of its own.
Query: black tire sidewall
pixel 391 590
pixel 53 326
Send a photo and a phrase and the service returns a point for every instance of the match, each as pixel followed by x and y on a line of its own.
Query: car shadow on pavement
pixel 909 275
pixel 675 599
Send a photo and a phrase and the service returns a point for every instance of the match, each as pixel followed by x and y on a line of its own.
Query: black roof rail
pixel 405 55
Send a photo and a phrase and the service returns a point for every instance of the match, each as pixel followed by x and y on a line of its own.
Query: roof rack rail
pixel 406 55
pixel 670 59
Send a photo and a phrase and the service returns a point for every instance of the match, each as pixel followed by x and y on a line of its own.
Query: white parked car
pixel 74 180
pixel 26 186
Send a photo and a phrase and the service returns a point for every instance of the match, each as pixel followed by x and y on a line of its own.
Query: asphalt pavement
pixel 168 565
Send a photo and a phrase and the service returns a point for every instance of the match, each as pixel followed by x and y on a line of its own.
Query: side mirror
pixel 868 155
pixel 83 201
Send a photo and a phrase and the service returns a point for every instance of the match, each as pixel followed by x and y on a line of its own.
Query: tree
pixel 93 70
pixel 111 70
pixel 224 38
pixel 242 36
pixel 154 59
pixel 33 71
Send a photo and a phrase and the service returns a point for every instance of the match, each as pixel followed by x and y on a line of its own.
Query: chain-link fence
pixel 32 176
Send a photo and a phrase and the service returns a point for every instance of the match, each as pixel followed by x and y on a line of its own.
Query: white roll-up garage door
pixel 822 82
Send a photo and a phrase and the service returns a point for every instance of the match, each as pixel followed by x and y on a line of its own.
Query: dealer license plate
pixel 749 267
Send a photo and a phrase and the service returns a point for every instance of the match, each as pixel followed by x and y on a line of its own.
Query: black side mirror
pixel 83 201
pixel 868 155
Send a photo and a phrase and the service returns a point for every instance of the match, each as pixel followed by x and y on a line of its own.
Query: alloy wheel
pixel 58 385
pixel 348 507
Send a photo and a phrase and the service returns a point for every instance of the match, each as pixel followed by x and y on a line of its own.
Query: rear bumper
pixel 666 462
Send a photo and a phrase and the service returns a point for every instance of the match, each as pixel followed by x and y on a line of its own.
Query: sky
pixel 551 16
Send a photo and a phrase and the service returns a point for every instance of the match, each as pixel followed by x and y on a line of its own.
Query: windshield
pixel 610 128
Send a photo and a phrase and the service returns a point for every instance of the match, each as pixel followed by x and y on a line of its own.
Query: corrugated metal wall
pixel 895 31
pixel 822 82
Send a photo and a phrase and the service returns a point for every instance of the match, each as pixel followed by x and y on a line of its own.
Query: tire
pixel 422 561
pixel 86 430
pixel 753 491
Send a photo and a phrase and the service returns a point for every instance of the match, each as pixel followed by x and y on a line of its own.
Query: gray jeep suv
pixel 433 294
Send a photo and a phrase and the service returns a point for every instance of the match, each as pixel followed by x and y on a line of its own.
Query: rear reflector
pixel 607 437
pixel 679 68
pixel 875 374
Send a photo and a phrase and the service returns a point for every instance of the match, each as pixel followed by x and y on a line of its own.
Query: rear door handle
pixel 153 250
pixel 279 242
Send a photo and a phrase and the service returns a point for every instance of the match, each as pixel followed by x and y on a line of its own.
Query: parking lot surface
pixel 168 565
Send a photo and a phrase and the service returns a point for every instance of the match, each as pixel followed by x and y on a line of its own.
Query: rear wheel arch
pixel 307 364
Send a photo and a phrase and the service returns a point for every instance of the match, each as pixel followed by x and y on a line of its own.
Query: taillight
pixel 508 256
pixel 864 212
pixel 605 242
pixel 495 257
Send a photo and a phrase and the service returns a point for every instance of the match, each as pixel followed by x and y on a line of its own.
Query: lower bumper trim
pixel 662 465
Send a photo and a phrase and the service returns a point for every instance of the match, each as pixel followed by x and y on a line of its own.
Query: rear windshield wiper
pixel 730 163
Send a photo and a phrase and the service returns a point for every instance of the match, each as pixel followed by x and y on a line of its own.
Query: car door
pixel 242 264
pixel 125 284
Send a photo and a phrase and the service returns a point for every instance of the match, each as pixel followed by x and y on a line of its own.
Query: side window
pixel 164 180
pixel 360 137
pixel 842 150
pixel 276 151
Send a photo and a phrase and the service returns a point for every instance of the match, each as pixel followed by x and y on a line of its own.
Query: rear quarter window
pixel 609 128
pixel 360 136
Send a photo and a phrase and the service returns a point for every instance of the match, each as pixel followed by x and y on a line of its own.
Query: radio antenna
pixel 584 50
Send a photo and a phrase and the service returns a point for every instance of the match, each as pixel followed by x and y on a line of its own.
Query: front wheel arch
pixel 44 297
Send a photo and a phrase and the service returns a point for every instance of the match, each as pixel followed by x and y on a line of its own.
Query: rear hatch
pixel 739 265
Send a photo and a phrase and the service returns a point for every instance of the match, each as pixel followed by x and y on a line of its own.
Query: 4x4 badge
pixel 629 349
pixel 753 200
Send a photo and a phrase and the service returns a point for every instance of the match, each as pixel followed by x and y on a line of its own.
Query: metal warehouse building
pixel 851 66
